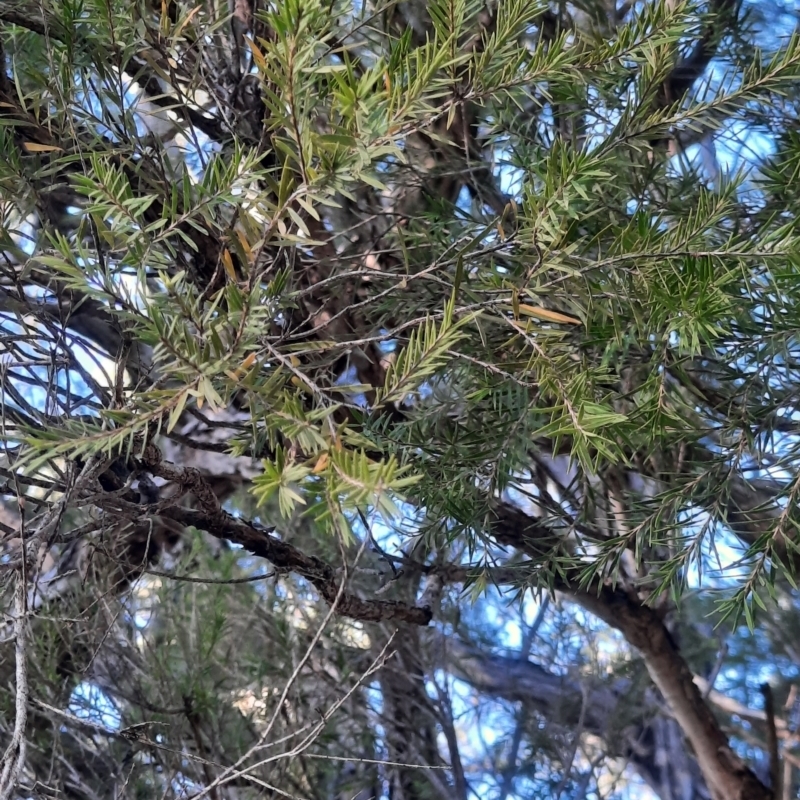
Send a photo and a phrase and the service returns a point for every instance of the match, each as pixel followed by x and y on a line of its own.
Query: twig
pixel 233 770
pixel 215 581
pixel 575 743
pixel 511 768
pixel 772 740
pixel 14 756
pixel 788 770
pixel 712 678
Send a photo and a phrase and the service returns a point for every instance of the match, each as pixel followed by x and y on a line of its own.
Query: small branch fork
pixel 210 517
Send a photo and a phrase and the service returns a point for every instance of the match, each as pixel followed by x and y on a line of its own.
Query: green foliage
pixel 627 316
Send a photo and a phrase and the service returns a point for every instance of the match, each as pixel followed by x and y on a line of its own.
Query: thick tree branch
pixel 688 69
pixel 49 26
pixel 693 65
pixel 726 775
pixel 283 556
pixel 627 725
pixel 211 518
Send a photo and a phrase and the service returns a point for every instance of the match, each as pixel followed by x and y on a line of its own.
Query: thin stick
pixel 14 756
pixel 772 740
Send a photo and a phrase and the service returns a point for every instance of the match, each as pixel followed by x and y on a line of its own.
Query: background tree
pixel 399 399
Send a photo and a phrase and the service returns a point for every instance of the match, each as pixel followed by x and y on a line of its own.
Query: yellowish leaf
pixel 164 21
pixel 35 147
pixel 546 313
pixel 209 393
pixel 186 20
pixel 245 246
pixel 322 462
pixel 248 362
pixel 227 262
pixel 257 55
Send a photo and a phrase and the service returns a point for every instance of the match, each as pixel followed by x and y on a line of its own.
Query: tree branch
pixel 212 519
pixel 611 713
pixel 283 556
pixel 693 65
pixel 728 778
